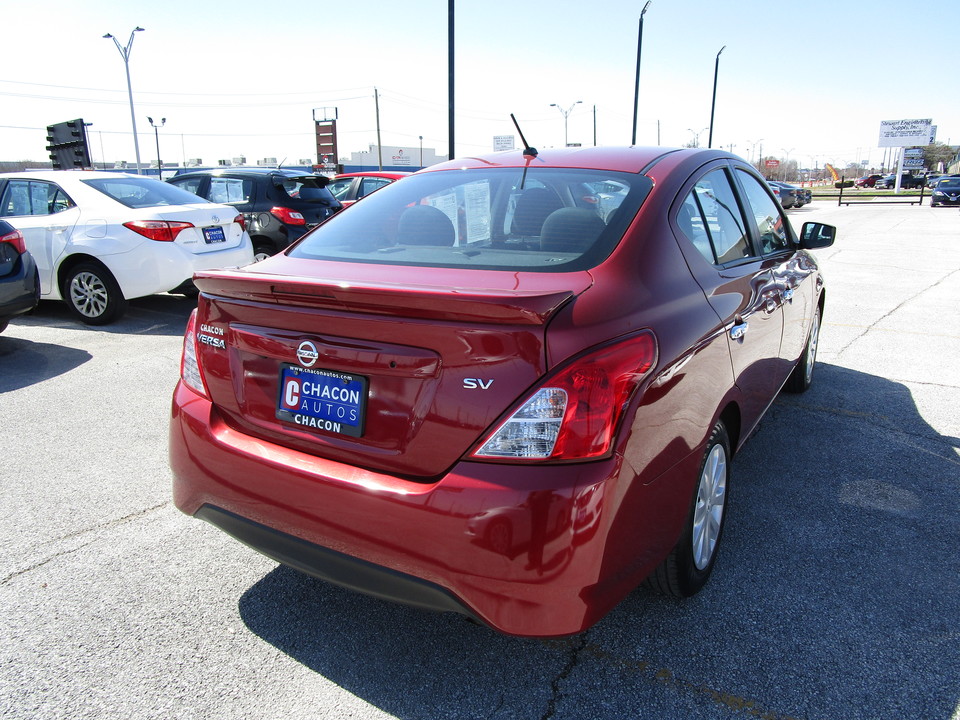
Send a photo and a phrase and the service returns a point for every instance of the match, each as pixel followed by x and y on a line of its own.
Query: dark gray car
pixel 19 279
pixel 278 205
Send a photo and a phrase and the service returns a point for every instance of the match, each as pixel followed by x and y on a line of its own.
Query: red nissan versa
pixel 508 386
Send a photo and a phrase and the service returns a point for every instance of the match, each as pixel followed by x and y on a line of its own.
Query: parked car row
pixel 96 240
pixel 908 181
pixel 790 196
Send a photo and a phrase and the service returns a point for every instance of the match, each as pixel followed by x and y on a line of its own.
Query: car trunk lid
pixel 401 376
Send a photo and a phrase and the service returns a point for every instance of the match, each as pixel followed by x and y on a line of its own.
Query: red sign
pixel 772 163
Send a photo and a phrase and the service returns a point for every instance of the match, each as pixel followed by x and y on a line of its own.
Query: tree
pixel 937 153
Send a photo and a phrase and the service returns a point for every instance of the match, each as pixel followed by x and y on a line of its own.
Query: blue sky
pixel 811 80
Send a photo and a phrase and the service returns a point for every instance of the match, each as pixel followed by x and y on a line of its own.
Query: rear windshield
pixel 141 192
pixel 541 220
pixel 308 188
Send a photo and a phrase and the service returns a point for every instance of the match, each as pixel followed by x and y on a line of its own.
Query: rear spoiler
pixel 416 301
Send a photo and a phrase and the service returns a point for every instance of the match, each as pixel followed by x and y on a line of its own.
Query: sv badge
pixel 477 384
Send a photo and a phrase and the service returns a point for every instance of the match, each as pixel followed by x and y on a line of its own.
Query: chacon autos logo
pixel 307 353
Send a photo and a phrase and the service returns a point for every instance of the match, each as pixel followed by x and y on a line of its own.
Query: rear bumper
pixel 534 553
pixel 333 566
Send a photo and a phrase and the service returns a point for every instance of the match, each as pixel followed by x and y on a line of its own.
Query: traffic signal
pixel 67 145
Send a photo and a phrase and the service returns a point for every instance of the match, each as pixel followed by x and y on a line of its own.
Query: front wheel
pixel 689 564
pixel 802 376
pixel 93 295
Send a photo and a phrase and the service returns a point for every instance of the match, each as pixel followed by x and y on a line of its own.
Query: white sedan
pixel 101 238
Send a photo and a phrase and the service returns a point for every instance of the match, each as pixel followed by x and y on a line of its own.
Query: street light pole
pixel 156 134
pixel 636 91
pixel 696 136
pixel 565 116
pixel 713 103
pixel 125 54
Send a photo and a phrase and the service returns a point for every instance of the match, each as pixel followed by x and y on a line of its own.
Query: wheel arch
pixel 730 417
pixel 70 262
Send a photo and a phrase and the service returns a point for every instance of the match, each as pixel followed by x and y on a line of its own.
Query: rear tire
pixel 261 251
pixel 92 294
pixel 689 564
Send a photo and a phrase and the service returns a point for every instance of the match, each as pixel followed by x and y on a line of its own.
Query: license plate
pixel 322 400
pixel 213 235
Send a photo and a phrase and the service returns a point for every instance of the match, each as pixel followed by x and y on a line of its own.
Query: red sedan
pixel 509 387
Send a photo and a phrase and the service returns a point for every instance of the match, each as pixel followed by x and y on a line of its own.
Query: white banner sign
pixel 904 133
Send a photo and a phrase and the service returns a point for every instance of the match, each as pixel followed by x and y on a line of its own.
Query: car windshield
pixel 541 220
pixel 952 184
pixel 137 192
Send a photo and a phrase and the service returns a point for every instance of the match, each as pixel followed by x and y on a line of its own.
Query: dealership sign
pixel 904 133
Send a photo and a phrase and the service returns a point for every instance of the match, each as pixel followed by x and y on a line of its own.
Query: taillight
pixel 241 221
pixel 288 216
pixel 160 230
pixel 190 363
pixel 574 413
pixel 16 239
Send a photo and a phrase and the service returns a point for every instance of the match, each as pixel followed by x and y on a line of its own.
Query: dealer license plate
pixel 322 400
pixel 213 235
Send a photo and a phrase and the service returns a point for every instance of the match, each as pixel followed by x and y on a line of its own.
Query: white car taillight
pixel 190 363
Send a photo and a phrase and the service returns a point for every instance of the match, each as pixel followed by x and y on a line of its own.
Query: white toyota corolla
pixel 102 238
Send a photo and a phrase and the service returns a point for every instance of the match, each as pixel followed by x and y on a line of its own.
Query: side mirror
pixel 817 235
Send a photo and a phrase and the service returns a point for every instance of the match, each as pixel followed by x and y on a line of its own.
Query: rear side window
pixel 711 218
pixel 767 218
pixel 189 184
pixel 369 184
pixel 33 197
pixel 542 219
pixel 139 192
pixel 230 190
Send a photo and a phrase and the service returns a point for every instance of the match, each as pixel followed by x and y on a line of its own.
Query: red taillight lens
pixel 573 414
pixel 190 371
pixel 160 230
pixel 241 221
pixel 288 216
pixel 16 239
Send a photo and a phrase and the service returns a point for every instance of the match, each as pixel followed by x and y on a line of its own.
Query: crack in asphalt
pixel 62 553
pixel 894 310
pixel 575 647
pixel 579 647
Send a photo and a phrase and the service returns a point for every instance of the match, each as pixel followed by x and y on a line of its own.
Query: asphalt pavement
pixel 836 594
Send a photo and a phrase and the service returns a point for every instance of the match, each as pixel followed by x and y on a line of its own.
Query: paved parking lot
pixel 836 594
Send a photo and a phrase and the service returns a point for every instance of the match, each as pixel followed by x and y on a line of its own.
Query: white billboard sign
pixel 904 133
pixel 503 142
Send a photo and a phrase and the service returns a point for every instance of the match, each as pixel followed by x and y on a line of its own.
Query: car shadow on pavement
pixel 836 594
pixel 163 314
pixel 24 363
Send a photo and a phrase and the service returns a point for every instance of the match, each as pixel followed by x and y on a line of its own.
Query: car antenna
pixel 281 163
pixel 529 153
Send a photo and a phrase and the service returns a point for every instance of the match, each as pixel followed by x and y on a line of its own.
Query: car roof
pixel 392 174
pixel 247 171
pixel 59 176
pixel 631 158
